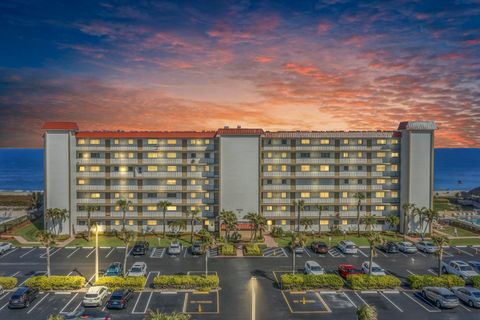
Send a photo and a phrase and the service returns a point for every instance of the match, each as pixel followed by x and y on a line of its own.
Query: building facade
pixel 236 169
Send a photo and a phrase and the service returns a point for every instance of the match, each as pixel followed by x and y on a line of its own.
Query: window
pixel 345 141
pixel 94 141
pixel 207 195
pixel 81 168
pixel 394 207
pixel 117 222
pixel 269 194
pixel 171 195
pixel 324 155
pixel 152 155
pixel 81 181
pixel 284 155
pixel 130 208
pixel 172 208
pixel 206 181
pixel 394 141
pixel 130 195
pixel 152 168
pixel 269 208
pixel 116 141
pixel 344 221
pixel 130 222
pixel 283 208
pixel 151 222
pixel 171 181
pixel 152 141
pixel 394 194
pixel 345 154
pixel 345 168
pixel 380 167
pixel 207 208
pixel 95 155
pixel 381 141
pixel 193 182
pixel 381 154
pixel 95 169
pixel 324 194
pixel 171 168
pixel 269 154
pixel 305 141
pixel 394 167
pixel 305 168
pixel 193 195
pixel 394 154
pixel 323 222
pixel 123 168
pixel 283 195
pixel 381 181
pixel 151 195
pixel 193 168
pixel 81 141
pixel 359 168
pixel 359 154
pixel 324 168
pixel 171 141
pixel 116 195
pixel 324 141
pixel 304 155
pixel 207 141
pixel 172 155
pixel 360 141
pixel 283 168
pixel 344 194
pixel 305 195
pixel 379 194
pixel 395 180
pixel 130 141
pixel 344 208
pixel 345 181
pixel 130 155
pixel 269 168
pixel 95 195
pixel 284 222
pixel 379 208
pixel 152 208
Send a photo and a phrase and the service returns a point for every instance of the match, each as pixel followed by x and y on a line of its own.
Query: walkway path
pixel 22 240
pixel 270 241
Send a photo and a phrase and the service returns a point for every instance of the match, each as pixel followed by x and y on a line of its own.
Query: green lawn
pixel 29 232
pixel 359 241
pixel 112 241
pixel 461 232
pixel 465 242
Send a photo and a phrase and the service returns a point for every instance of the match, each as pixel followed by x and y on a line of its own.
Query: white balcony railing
pixel 277 187
pixel 276 200
pixel 277 174
pixel 277 147
pixel 163 174
pixel 91 174
pixel 162 187
pixel 316 148
pixel 315 161
pixel 315 174
pixel 276 161
pixel 352 187
pixel 316 187
pixel 90 161
pixel 124 161
pixel 90 187
pixel 162 161
pixel 353 174
pixel 124 187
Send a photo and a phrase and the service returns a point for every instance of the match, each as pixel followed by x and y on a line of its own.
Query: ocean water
pixel 455 169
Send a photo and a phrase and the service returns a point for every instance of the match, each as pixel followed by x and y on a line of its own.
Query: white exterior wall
pixel 239 174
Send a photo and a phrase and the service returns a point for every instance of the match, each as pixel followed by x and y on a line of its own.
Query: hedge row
pixel 8 282
pixel 227 250
pixel 447 280
pixel 45 283
pixel 367 282
pixel 252 250
pixel 310 281
pixel 113 283
pixel 475 281
pixel 190 282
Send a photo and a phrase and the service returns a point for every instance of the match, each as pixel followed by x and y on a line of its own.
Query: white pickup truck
pixel 4 247
pixel 459 268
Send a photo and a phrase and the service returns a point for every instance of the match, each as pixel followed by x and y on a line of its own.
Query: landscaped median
pixel 186 282
pixel 367 282
pixel 8 283
pixel 475 281
pixel 310 281
pixel 113 283
pixel 54 283
pixel 252 250
pixel 227 250
pixel 419 281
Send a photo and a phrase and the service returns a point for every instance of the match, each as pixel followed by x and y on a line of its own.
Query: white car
pixel 469 295
pixel 459 268
pixel 426 246
pixel 138 269
pixel 95 296
pixel 406 247
pixel 5 246
pixel 347 247
pixel 174 248
pixel 376 269
pixel 312 267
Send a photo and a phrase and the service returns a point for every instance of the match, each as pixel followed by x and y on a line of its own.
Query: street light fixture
pixel 96 252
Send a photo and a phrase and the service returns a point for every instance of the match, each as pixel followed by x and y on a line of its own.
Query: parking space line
pixel 351 301
pixel 421 305
pixel 71 254
pixel 146 307
pixel 382 253
pixel 388 299
pixel 467 253
pixel 6 294
pixel 432 272
pixel 185 253
pixel 23 255
pixel 89 280
pixel 70 301
pixel 285 252
pixel 6 254
pixel 40 301
pixel 410 272
pixel 13 275
pixel 110 252
pixel 359 297
pixel 366 256
pixel 422 254
pixel 6 304
pixel 52 252
pixel 90 253
pixel 461 305
pixel 306 251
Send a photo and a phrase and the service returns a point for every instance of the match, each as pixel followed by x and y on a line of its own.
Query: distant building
pixel 237 169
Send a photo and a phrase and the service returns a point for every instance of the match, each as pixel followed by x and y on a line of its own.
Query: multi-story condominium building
pixel 236 169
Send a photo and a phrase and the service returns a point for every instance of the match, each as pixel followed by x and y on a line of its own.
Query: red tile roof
pixel 146 134
pixel 53 125
pixel 239 132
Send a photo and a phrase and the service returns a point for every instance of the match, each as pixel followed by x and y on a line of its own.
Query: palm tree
pixel 52 214
pixel 306 222
pixel 176 226
pixel 440 242
pixel 297 240
pixel 369 222
pixel 193 215
pixel 157 315
pixel 420 213
pixel 373 238
pixel 124 204
pixel 359 196
pixel 208 241
pixel 229 219
pixel 164 205
pixel 90 207
pixel 300 207
pixel 319 208
pixel 393 221
pixel 254 218
pixel 36 200
pixel 407 209
pixel 431 215
pixel 47 239
pixel 62 217
pixel 126 237
pixel 262 222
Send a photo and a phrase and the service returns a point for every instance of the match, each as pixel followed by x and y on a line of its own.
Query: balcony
pixel 277 187
pixel 162 174
pixel 195 188
pixel 315 161
pixel 162 161
pixel 91 187
pixel 84 174
pixel 125 187
pixel 353 174
pixel 352 187
pixel 276 200
pixel 124 148
pixel 314 214
pixel 176 201
pixel 276 214
pixel 315 174
pixel 162 188
pixel 93 201
pixel 125 161
pixel 277 147
pixel 348 201
pixel 121 175
pixel 194 201
pixel 90 161
pixel 93 214
pixel 318 200
pixel 353 161
pixel 316 187
pixel 353 148
pixel 276 161
pixel 162 148
pixel 277 174
pixel 90 147
pixel 315 148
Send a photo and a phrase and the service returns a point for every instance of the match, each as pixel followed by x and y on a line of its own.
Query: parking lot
pixel 234 299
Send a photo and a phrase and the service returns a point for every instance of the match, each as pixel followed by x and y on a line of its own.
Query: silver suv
pixel 442 297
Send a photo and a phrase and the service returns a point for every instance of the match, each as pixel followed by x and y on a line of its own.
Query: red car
pixel 347 269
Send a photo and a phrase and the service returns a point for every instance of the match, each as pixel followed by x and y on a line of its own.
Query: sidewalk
pixel 22 240
pixel 270 241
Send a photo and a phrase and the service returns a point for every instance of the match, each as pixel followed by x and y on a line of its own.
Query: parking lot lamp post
pixel 206 263
pixel 96 252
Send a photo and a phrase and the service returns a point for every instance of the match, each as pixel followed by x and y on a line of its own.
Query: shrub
pixel 367 282
pixel 447 280
pixel 45 283
pixel 184 282
pixel 310 281
pixel 252 250
pixel 113 283
pixel 277 232
pixel 8 282
pixel 227 250
pixel 367 312
pixel 157 315
pixel 475 281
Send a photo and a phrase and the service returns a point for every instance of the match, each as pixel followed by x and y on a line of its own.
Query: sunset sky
pixel 278 65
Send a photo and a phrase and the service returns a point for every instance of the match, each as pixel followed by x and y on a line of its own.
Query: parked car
pixel 4 247
pixel 376 269
pixel 469 295
pixel 91 314
pixel 196 248
pixel 459 268
pixel 389 247
pixel 406 247
pixel 442 297
pixel 22 297
pixel 95 296
pixel 119 299
pixel 299 250
pixel 319 247
pixel 174 248
pixel 140 248
pixel 347 247
pixel 344 270
pixel 426 246
pixel 475 265
pixel 138 269
pixel 312 267
pixel 114 270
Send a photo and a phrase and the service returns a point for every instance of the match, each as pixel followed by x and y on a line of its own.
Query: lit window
pixel 269 208
pixel 95 196
pixel 381 141
pixel 284 222
pixel 151 222
pixel 207 168
pixel 305 141
pixel 379 194
pixel 130 141
pixel 94 141
pixel 171 181
pixel 345 155
pixel 394 154
pixel 81 181
pixel 324 168
pixel 207 195
pixel 394 194
pixel 345 141
pixel 206 181
pixel 116 141
pixel 269 168
pixel 381 181
pixel 305 195
pixel 283 168
pixel 344 222
pixel 152 168
pixel 359 155
pixel 81 141
pixel 324 141
pixel 152 155
pixel 171 155
pixel 344 208
pixel 269 154
pixel 323 222
pixel 344 194
pixel 394 207
pixel 193 208
pixel 207 141
pixel 171 168
pixel 193 182
pixel 81 168
pixel 95 169
pixel 152 141
pixel 172 208
pixel 394 167
pixel 117 195
pixel 324 194
pixel 130 208
pixel 117 222
pixel 381 154
pixel 305 168
pixel 152 208
pixel 283 208
pixel 284 155
pixel 171 141
pixel 130 222
pixel 130 195
pixel 117 208
pixel 193 168
pixel 130 155
pixel 207 208
pixel 123 169
pixel 283 195
pixel 380 167
pixel 359 141
pixel 394 141
pixel 395 181
pixel 193 195
pixel 269 194
pixel 379 208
